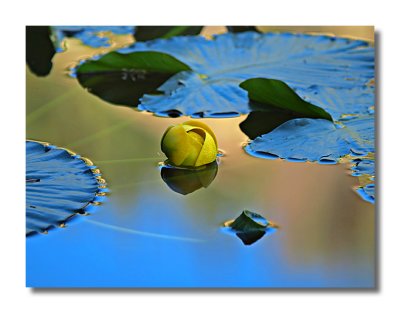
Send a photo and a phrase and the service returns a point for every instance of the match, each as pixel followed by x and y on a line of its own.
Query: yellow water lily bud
pixel 191 144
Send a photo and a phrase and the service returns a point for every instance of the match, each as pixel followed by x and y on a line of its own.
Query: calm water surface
pixel 147 235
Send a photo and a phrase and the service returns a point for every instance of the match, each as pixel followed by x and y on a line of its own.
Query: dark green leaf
pixel 144 33
pixel 124 78
pixel 39 49
pixel 241 29
pixel 275 94
pixel 250 227
pixel 249 221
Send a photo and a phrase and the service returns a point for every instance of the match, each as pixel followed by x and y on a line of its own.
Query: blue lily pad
pixel 367 192
pixel 89 35
pixel 318 140
pixel 59 185
pixel 364 167
pixel 305 62
pixel 341 104
pixel 322 141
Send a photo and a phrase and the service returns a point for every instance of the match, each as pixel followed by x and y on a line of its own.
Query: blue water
pixel 147 235
pixel 89 254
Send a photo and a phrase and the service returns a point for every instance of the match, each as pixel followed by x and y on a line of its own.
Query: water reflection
pixel 185 181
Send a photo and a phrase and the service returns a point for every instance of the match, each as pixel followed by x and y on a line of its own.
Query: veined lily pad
pixel 270 109
pixel 218 66
pixel 319 140
pixel 59 185
pixel 280 126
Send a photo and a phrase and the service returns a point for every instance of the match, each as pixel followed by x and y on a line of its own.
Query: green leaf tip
pixel 249 221
pixel 250 227
pixel 148 61
pixel 275 94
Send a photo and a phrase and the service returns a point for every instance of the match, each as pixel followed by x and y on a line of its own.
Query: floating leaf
pixel 367 192
pixel 364 168
pixel 241 29
pixel 59 185
pixel 275 94
pixel 185 181
pixel 144 33
pixel 272 103
pixel 39 49
pixel 90 35
pixel 277 133
pixel 319 140
pixel 218 66
pixel 250 227
pixel 343 104
pixel 124 78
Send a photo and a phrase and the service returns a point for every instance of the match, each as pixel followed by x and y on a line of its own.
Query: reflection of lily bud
pixel 191 144
pixel 185 181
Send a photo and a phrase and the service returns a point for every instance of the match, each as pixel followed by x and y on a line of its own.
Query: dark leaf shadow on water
pixel 249 227
pixel 258 123
pixel 59 185
pixel 218 66
pixel 123 79
pixel 39 50
pixel 273 102
pixel 185 181
pixel 125 88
